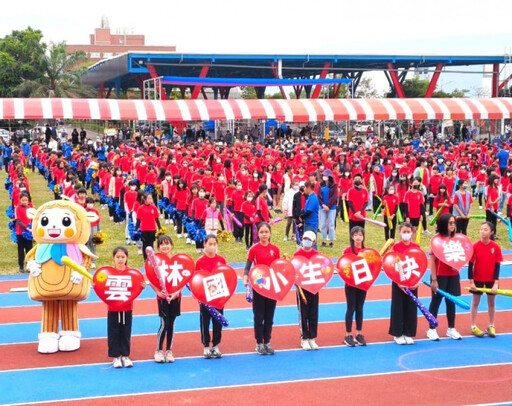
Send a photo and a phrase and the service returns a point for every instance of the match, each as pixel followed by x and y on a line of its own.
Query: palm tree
pixel 60 75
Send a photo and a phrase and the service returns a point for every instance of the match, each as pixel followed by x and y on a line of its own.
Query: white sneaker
pixel 167 221
pixel 481 207
pixel 313 344
pixel 169 356
pixel 305 345
pixel 400 340
pixel 93 265
pixel 127 241
pixel 189 241
pixel 171 221
pixel 127 362
pixel 117 363
pixel 285 239
pixel 452 333
pixel 432 334
pixel 179 236
pixel 159 356
pixel 408 340
pixel 139 251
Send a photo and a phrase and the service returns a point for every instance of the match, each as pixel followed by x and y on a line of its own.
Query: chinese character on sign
pixel 361 271
pixel 311 273
pixel 453 251
pixel 172 272
pixel 118 287
pixel 267 283
pixel 215 286
pixel 407 268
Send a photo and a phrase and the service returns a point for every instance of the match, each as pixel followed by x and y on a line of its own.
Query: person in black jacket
pixel 299 201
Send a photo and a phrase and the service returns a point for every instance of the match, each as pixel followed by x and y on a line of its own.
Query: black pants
pixel 263 309
pixel 168 313
pixel 389 233
pixel 489 216
pixel 248 234
pixel 148 239
pixel 238 232
pixel 179 224
pixel 462 225
pixel 119 333
pixel 204 325
pixel 308 314
pixel 450 284
pixel 480 199
pixel 352 224
pixel 404 314
pixel 24 246
pixel 355 302
pixel 430 205
pixel 375 202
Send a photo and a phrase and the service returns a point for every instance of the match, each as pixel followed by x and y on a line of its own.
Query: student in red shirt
pixel 262 211
pixel 198 207
pixel 442 201
pixel 22 222
pixel 414 202
pixel 492 197
pixel 484 271
pixel 308 307
pixel 403 322
pixel 168 311
pixel 389 208
pixel 357 200
pixel 355 297
pixel 263 308
pixel 147 222
pixel 208 262
pixel 219 191
pixel 433 187
pixel 446 278
pixel 237 199
pixel 249 213
pixel 181 199
pixel 130 198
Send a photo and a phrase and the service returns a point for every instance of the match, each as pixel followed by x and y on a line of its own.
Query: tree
pixel 366 89
pixel 20 54
pixel 59 77
pixel 249 92
pixel 454 93
pixel 415 87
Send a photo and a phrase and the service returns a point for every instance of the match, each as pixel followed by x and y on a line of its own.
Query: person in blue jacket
pixel 309 215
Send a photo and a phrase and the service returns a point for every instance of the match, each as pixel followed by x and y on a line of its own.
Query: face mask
pixel 201 194
pixel 394 173
pixel 244 172
pixel 168 178
pixel 296 188
pixel 482 171
pixel 239 188
pixel 347 173
pixel 90 206
pixel 133 187
pixel 325 178
pixel 173 161
pixel 464 187
pixel 249 199
pixel 357 183
pixel 406 236
pixel 143 163
pixel 417 187
pixel 307 243
pixel 218 161
pixel 221 179
pixel 320 167
pixel 255 175
pixel 391 191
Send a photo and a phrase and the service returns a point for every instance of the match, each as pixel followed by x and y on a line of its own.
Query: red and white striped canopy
pixel 303 110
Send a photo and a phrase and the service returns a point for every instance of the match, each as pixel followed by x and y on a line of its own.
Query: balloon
pixel 118 288
pixel 314 273
pixel 275 281
pixel 405 268
pixel 454 251
pixel 177 271
pixel 360 270
pixel 216 287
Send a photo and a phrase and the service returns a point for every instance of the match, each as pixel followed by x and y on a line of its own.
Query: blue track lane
pixel 53 384
pixel 238 318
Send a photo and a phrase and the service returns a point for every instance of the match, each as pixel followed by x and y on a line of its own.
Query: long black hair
pixel 354 230
pixel 442 225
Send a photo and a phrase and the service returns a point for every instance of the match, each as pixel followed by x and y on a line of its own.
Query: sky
pixel 287 26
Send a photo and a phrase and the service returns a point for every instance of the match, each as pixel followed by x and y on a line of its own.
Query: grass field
pixel 234 252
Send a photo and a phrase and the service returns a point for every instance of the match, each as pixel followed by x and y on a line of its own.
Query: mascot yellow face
pixel 61 222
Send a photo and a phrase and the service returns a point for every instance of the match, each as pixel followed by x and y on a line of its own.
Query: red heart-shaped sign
pixel 216 287
pixel 405 268
pixel 176 271
pixel 454 251
pixel 275 281
pixel 360 270
pixel 117 288
pixel 314 273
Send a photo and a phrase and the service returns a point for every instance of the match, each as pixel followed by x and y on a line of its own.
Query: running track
pixel 471 371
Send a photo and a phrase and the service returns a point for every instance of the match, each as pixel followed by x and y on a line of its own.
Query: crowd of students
pixel 312 184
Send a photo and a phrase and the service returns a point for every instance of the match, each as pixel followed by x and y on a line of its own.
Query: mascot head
pixel 61 222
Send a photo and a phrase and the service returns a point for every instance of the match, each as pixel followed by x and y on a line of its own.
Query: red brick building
pixel 104 44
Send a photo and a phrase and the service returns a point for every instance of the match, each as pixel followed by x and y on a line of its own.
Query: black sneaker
pixel 360 340
pixel 269 349
pixel 260 349
pixel 331 245
pixel 349 341
pixel 324 244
